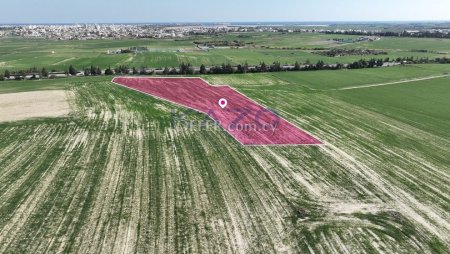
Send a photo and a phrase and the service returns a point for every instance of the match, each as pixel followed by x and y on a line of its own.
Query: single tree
pixel 296 66
pixel 93 71
pixel 44 73
pixel 189 70
pixel 166 71
pixel 240 68
pixel 173 71
pixel 263 67
pixel 109 71
pixel 202 69
pixel 380 62
pixel 275 67
pixel 186 69
pixel 183 68
pixel 72 70
pixel 320 65
pixel 7 74
pixel 245 67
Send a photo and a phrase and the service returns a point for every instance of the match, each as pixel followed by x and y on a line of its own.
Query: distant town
pixel 116 31
pixel 119 31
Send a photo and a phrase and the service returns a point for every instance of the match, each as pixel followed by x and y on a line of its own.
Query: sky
pixel 161 11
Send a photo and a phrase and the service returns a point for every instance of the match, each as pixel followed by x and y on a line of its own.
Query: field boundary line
pixel 392 83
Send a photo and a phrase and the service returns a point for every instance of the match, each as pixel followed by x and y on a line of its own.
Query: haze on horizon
pixel 143 11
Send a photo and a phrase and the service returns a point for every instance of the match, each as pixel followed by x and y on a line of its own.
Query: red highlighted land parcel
pixel 244 119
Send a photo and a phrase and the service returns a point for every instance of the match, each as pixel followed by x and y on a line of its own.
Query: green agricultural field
pixel 422 104
pixel 35 85
pixel 283 40
pixel 113 176
pixel 27 53
pixel 17 54
pixel 330 80
pixel 431 44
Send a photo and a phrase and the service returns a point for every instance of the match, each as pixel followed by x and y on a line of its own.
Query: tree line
pixel 225 68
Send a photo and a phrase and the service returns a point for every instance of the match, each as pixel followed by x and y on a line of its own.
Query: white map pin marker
pixel 223 103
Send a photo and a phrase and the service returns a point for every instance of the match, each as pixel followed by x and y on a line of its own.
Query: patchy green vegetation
pixel 115 177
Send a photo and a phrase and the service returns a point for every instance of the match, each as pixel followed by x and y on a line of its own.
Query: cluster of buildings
pixel 430 33
pixel 116 31
pixel 119 31
pixel 438 31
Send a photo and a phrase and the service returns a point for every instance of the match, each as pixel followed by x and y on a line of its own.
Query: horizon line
pixel 228 22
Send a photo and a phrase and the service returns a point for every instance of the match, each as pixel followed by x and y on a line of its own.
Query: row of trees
pixel 20 75
pixel 92 71
pixel 43 72
pixel 188 69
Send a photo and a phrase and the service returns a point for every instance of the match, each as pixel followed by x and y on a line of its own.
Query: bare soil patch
pixel 22 106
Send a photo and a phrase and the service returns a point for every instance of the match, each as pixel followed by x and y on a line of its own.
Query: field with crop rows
pixel 113 176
